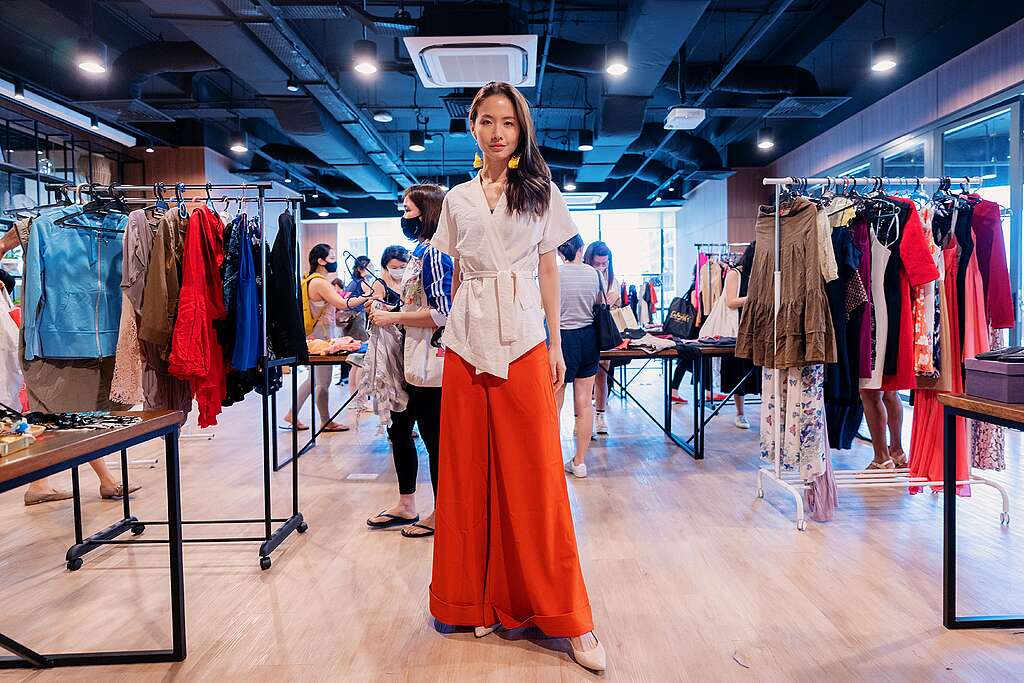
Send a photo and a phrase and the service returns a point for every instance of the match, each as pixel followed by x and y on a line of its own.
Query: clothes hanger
pixel 179 192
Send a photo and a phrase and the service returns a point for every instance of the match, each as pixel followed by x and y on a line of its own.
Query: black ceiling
pixel 195 71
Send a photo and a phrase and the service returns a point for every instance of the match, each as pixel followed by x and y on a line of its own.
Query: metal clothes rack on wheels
pixel 271 537
pixel 790 481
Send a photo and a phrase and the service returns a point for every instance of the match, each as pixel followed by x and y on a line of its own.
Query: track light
pixel 429 139
pixel 457 128
pixel 585 140
pixel 883 54
pixel 383 116
pixel 19 90
pixel 292 85
pixel 287 177
pixel 417 143
pixel 616 58
pixel 240 143
pixel 365 55
pixel 570 183
pixel 323 214
pixel 765 139
pixel 91 56
pixel 149 148
pixel 315 195
pixel 94 123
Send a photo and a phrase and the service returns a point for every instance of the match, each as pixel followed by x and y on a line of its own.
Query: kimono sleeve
pixel 558 224
pixel 446 236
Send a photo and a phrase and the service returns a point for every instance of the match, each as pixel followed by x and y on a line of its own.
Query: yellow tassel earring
pixel 513 163
pixel 477 161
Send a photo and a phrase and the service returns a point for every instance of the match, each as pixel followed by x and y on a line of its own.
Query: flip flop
pixel 337 428
pixel 287 427
pixel 393 520
pixel 409 533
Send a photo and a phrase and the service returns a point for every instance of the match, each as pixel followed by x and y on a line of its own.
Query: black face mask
pixel 412 227
pixel 331 266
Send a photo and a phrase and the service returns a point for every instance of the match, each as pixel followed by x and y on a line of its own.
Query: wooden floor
pixel 690 577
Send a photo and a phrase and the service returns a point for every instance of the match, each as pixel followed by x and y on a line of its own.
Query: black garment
pixel 285 328
pixel 962 231
pixel 634 302
pixel 229 273
pixel 734 370
pixel 423 410
pixel 687 356
pixel 891 285
pixel 843 409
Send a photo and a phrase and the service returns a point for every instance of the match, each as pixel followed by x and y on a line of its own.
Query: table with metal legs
pixel 63 450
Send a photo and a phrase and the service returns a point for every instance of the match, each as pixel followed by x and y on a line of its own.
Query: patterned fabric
pixel 801 411
pixel 988 441
pixel 126 386
pixel 856 295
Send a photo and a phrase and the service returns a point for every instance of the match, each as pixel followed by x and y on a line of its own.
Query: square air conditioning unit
pixel 472 61
pixel 582 201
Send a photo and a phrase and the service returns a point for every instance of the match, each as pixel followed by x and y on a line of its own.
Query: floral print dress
pixel 801 414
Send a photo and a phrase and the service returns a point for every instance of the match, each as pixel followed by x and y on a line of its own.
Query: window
pixel 908 163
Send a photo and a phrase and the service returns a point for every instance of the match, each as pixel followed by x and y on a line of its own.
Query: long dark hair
pixel 529 186
pixel 600 249
pixel 428 199
pixel 320 251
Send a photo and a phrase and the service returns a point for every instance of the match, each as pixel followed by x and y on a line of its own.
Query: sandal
pixel 409 533
pixel 117 493
pixel 334 427
pixel 887 465
pixel 898 458
pixel 392 520
pixel 287 426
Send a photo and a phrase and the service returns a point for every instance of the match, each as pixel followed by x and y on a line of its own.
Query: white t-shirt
pixel 497 315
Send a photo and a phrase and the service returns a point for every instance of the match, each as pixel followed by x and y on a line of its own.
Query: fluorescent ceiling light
pixel 64 114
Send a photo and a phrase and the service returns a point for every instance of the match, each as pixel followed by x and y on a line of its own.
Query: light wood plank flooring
pixel 691 577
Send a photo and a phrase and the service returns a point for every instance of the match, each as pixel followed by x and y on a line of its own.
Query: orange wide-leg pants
pixel 505 549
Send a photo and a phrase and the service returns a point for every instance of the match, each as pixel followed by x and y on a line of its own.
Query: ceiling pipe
pixel 138 64
pixel 738 54
pixel 547 48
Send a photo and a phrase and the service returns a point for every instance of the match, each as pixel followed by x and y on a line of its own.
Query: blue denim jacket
pixel 72 299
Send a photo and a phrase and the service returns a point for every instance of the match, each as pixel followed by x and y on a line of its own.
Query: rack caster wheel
pixel 75 564
pixel 302 528
pixel 137 529
pixel 264 563
pixel 801 525
pixel 1004 518
pixel 760 493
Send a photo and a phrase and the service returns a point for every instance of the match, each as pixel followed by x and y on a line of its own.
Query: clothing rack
pixel 271 537
pixel 791 482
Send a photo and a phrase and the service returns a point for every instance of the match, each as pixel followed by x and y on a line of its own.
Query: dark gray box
pixel 995 380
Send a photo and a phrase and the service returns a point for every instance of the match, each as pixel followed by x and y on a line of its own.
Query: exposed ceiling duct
pixel 562 158
pixel 744 79
pixel 255 50
pixel 689 152
pixel 653 172
pixel 290 154
pixel 136 65
pixel 654 31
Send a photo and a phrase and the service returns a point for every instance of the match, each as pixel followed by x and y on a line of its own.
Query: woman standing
pixel 505 549
pixel 582 287
pixel 599 257
pixel 738 373
pixel 320 298
pixel 426 300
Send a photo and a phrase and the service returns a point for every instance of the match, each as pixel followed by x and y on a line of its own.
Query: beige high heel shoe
pixel 481 631
pixel 594 659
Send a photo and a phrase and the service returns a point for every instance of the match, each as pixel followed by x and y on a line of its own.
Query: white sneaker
pixel 578 471
pixel 600 426
pixel 741 422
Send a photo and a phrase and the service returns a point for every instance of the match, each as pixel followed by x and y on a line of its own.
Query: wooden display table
pixel 1006 415
pixel 57 451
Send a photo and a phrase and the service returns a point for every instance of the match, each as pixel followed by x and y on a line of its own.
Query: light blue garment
pixel 72 304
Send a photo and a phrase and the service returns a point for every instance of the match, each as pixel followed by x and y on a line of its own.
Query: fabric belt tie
pixel 507 282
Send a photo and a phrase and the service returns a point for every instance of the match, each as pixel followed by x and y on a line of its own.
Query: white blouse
pixel 497 315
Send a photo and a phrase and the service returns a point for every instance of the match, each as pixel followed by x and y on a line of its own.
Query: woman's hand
pixel 382 318
pixel 557 365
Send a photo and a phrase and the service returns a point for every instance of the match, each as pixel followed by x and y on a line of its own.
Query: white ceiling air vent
pixel 581 201
pixel 472 61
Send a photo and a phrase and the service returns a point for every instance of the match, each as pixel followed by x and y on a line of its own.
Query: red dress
pixel 196 354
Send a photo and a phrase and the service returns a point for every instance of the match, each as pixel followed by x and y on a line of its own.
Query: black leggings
pixel 685 365
pixel 424 410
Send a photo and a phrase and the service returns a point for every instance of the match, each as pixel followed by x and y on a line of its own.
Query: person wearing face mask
pixel 319 299
pixel 599 257
pixel 425 288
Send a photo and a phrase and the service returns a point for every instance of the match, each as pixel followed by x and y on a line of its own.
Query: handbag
pixel 608 336
pixel 722 321
pixel 681 319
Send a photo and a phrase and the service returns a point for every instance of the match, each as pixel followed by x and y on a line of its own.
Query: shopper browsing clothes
pixel 351 318
pixel 505 550
pixel 319 299
pixel 599 257
pixel 738 373
pixel 582 287
pixel 425 285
